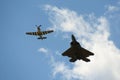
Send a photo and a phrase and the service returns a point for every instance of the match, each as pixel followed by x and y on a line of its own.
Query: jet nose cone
pixel 72 35
pixel 73 38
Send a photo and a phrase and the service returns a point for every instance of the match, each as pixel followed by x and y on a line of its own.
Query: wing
pixel 32 33
pixel 46 32
pixel 69 52
pixel 85 52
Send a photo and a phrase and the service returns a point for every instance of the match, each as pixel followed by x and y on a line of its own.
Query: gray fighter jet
pixel 76 52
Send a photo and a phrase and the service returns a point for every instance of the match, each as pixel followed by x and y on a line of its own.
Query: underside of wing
pixel 69 53
pixel 46 32
pixel 32 33
pixel 85 52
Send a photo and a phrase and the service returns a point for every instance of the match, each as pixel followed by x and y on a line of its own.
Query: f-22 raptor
pixel 76 52
pixel 39 33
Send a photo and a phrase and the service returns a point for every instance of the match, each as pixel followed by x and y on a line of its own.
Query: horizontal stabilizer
pixel 72 60
pixel 42 38
pixel 86 59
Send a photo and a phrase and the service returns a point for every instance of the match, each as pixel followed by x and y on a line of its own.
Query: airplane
pixel 76 52
pixel 39 33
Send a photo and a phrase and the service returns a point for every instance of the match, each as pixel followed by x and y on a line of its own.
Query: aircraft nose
pixel 73 38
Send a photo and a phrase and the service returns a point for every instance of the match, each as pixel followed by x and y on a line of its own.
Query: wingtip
pixel 52 30
pixel 63 55
pixel 92 53
pixel 26 33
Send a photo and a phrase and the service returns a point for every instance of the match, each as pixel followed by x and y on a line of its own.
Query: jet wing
pixel 32 33
pixel 85 52
pixel 46 32
pixel 68 52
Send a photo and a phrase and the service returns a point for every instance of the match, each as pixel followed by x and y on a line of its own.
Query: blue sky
pixel 24 57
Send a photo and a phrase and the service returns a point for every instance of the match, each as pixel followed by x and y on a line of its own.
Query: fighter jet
pixel 76 52
pixel 39 33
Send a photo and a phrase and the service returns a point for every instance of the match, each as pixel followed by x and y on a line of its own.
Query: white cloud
pixel 113 15
pixel 93 33
pixel 111 8
pixel 43 50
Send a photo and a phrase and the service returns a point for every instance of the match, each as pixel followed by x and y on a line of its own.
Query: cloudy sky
pixel 96 25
